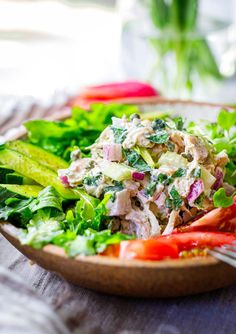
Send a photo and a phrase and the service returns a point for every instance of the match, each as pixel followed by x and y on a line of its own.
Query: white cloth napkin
pixel 23 311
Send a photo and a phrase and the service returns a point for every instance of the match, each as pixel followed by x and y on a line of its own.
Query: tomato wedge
pixel 217 219
pixel 169 246
pixel 190 240
pixel 113 91
pixel 152 249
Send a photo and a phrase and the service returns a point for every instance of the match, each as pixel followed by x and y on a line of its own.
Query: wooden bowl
pixel 169 278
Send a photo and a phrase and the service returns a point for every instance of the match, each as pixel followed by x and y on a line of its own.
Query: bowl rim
pixel 9 231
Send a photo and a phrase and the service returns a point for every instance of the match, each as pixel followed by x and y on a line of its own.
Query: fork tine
pixel 223 257
pixel 225 251
pixel 230 248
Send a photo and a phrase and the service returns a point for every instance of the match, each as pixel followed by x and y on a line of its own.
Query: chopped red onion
pixel 64 180
pixel 138 176
pixel 219 179
pixel 112 152
pixel 195 191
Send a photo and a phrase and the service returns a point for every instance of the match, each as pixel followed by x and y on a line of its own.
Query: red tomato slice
pixel 217 219
pixel 112 250
pixel 169 246
pixel 152 249
pixel 190 240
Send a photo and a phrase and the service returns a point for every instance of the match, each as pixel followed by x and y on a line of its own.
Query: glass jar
pixel 188 63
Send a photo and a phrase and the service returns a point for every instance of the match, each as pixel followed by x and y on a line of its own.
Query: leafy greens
pixel 222 134
pixel 79 131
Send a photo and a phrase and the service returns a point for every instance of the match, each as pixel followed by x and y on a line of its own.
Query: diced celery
pixel 145 155
pixel 117 172
pixel 208 180
pixel 172 159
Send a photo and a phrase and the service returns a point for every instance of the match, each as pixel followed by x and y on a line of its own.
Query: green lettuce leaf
pixel 222 135
pixel 93 242
pixel 16 210
pixel 19 210
pixel 221 200
pixel 48 198
pixel 85 207
pixel 79 131
pixel 42 229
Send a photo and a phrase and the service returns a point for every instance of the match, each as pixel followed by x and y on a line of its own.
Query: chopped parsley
pixel 132 156
pixel 135 160
pixel 164 179
pixel 196 172
pixel 150 189
pixel 119 134
pixel 92 180
pixel 161 178
pixel 118 186
pixel 175 201
pixel 142 166
pixel 180 172
pixel 159 137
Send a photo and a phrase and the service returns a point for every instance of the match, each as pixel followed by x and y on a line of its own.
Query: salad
pixel 119 183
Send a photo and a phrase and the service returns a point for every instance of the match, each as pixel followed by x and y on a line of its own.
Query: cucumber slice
pixel 9 176
pixel 15 178
pixel 36 153
pixel 117 172
pixel 34 170
pixel 22 190
pixel 172 159
pixel 4 170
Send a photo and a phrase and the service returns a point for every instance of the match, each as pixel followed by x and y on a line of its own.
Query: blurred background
pixel 50 49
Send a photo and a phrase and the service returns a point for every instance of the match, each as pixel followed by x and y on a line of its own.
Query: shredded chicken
pixel 173 221
pixel 138 136
pixel 77 171
pixel 183 185
pixel 221 159
pixel 121 205
pixel 141 222
pixel 178 139
pixel 195 146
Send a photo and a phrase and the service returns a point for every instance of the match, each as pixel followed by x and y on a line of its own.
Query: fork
pixel 225 253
